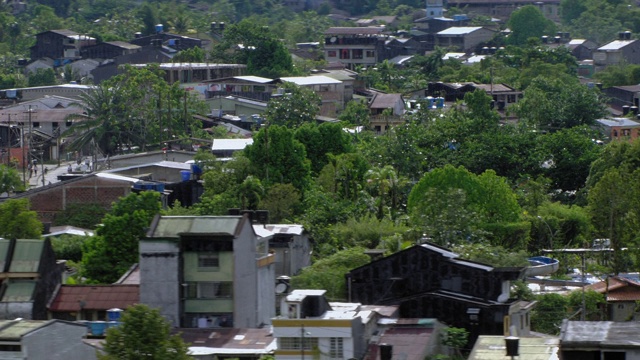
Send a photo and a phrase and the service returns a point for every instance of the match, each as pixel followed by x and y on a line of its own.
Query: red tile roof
pixel 96 297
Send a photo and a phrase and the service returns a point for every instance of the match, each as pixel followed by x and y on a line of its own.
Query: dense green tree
pixel 551 104
pixel 323 273
pixel 277 157
pixel 356 113
pixel 571 10
pixel 617 154
pixel 568 155
pixel 527 22
pixel 10 180
pixel 42 77
pixel 143 334
pixel 619 75
pixel 192 55
pixel 454 205
pixel 367 231
pixel 548 314
pixel 296 106
pixel 255 45
pixel 86 216
pixel 282 201
pixel 18 221
pixel 68 247
pixel 114 248
pixel 613 204
pixel 149 16
pixel 134 109
pixel 322 140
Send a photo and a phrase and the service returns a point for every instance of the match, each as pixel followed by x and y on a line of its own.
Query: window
pixel 36 124
pixel 371 53
pixel 293 343
pixel 331 53
pixel 357 53
pixel 209 290
pixel 344 54
pixel 208 261
pixel 335 349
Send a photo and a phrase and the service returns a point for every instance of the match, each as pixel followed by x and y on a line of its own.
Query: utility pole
pixel 302 342
pixel 9 142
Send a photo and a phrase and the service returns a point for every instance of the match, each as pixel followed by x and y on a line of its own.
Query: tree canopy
pixel 143 333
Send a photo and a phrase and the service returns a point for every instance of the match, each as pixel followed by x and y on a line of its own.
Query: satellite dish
pixel 282 288
pixel 333 39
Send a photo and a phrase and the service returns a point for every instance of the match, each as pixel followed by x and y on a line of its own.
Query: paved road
pixel 51 174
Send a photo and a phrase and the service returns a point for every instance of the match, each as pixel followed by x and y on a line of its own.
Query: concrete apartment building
pixel 207 272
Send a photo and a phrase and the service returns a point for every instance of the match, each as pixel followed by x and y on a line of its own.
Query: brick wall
pixel 52 199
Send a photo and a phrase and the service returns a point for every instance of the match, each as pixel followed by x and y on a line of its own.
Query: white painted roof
pixel 311 80
pixel 298 295
pixel 459 30
pixel 257 79
pixel 615 45
pixel 230 144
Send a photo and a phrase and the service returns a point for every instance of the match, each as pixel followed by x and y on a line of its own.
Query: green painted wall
pixel 193 273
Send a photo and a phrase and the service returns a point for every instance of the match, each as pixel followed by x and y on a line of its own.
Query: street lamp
pixel 550 231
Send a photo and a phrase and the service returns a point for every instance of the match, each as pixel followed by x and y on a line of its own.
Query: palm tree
pixel 100 122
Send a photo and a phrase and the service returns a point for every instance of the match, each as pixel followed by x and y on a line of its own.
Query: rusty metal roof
pixel 354 31
pixel 97 297
pixel 228 338
pixel 385 101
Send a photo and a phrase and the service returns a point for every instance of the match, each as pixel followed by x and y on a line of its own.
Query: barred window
pixel 209 261
pixel 210 290
pixel 335 349
pixel 293 343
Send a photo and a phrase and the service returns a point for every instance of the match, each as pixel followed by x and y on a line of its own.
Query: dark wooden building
pixel 59 45
pixel 428 281
pixel 109 50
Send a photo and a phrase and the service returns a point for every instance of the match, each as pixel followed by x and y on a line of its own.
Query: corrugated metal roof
pixel 530 348
pixel 409 343
pixel 615 45
pixel 576 334
pixel 311 80
pixel 19 291
pixel 385 101
pixel 459 30
pixel 26 255
pixel 68 230
pixel 228 341
pixel 622 122
pixel 354 30
pixel 97 297
pixel 173 226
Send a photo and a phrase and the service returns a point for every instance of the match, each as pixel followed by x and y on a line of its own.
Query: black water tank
pixel 386 351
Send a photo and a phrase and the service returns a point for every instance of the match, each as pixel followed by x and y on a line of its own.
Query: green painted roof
pixel 4 248
pixel 19 290
pixel 15 329
pixel 26 256
pixel 174 226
